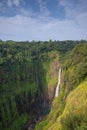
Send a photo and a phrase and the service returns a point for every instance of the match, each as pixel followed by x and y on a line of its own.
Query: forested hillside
pixel 28 77
pixel 69 109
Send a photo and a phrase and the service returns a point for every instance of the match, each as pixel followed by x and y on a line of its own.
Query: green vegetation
pixel 28 76
pixel 74 116
pixel 69 109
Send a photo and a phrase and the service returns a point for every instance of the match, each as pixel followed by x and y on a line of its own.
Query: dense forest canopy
pixel 25 77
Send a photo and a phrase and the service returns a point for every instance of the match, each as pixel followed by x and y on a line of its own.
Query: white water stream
pixel 58 84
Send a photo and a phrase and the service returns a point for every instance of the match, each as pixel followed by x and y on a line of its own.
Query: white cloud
pixel 77 11
pixel 13 2
pixel 43 9
pixel 44 27
pixel 11 7
pixel 27 28
pixel 73 8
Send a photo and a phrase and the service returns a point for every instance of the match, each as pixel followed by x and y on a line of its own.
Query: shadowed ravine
pixel 46 108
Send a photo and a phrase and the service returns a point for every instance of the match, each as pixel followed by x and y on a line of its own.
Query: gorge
pixel 31 95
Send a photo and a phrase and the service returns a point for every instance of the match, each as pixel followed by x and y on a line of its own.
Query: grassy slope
pixel 69 110
pixel 74 116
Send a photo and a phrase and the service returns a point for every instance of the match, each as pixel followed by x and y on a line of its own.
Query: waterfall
pixel 58 84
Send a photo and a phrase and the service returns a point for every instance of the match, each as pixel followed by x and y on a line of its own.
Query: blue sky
pixel 43 20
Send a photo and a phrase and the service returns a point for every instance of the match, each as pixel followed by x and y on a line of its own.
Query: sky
pixel 27 20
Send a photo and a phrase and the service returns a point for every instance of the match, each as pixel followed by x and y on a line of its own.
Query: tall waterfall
pixel 58 84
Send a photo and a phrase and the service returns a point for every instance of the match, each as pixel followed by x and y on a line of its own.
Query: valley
pixel 40 83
